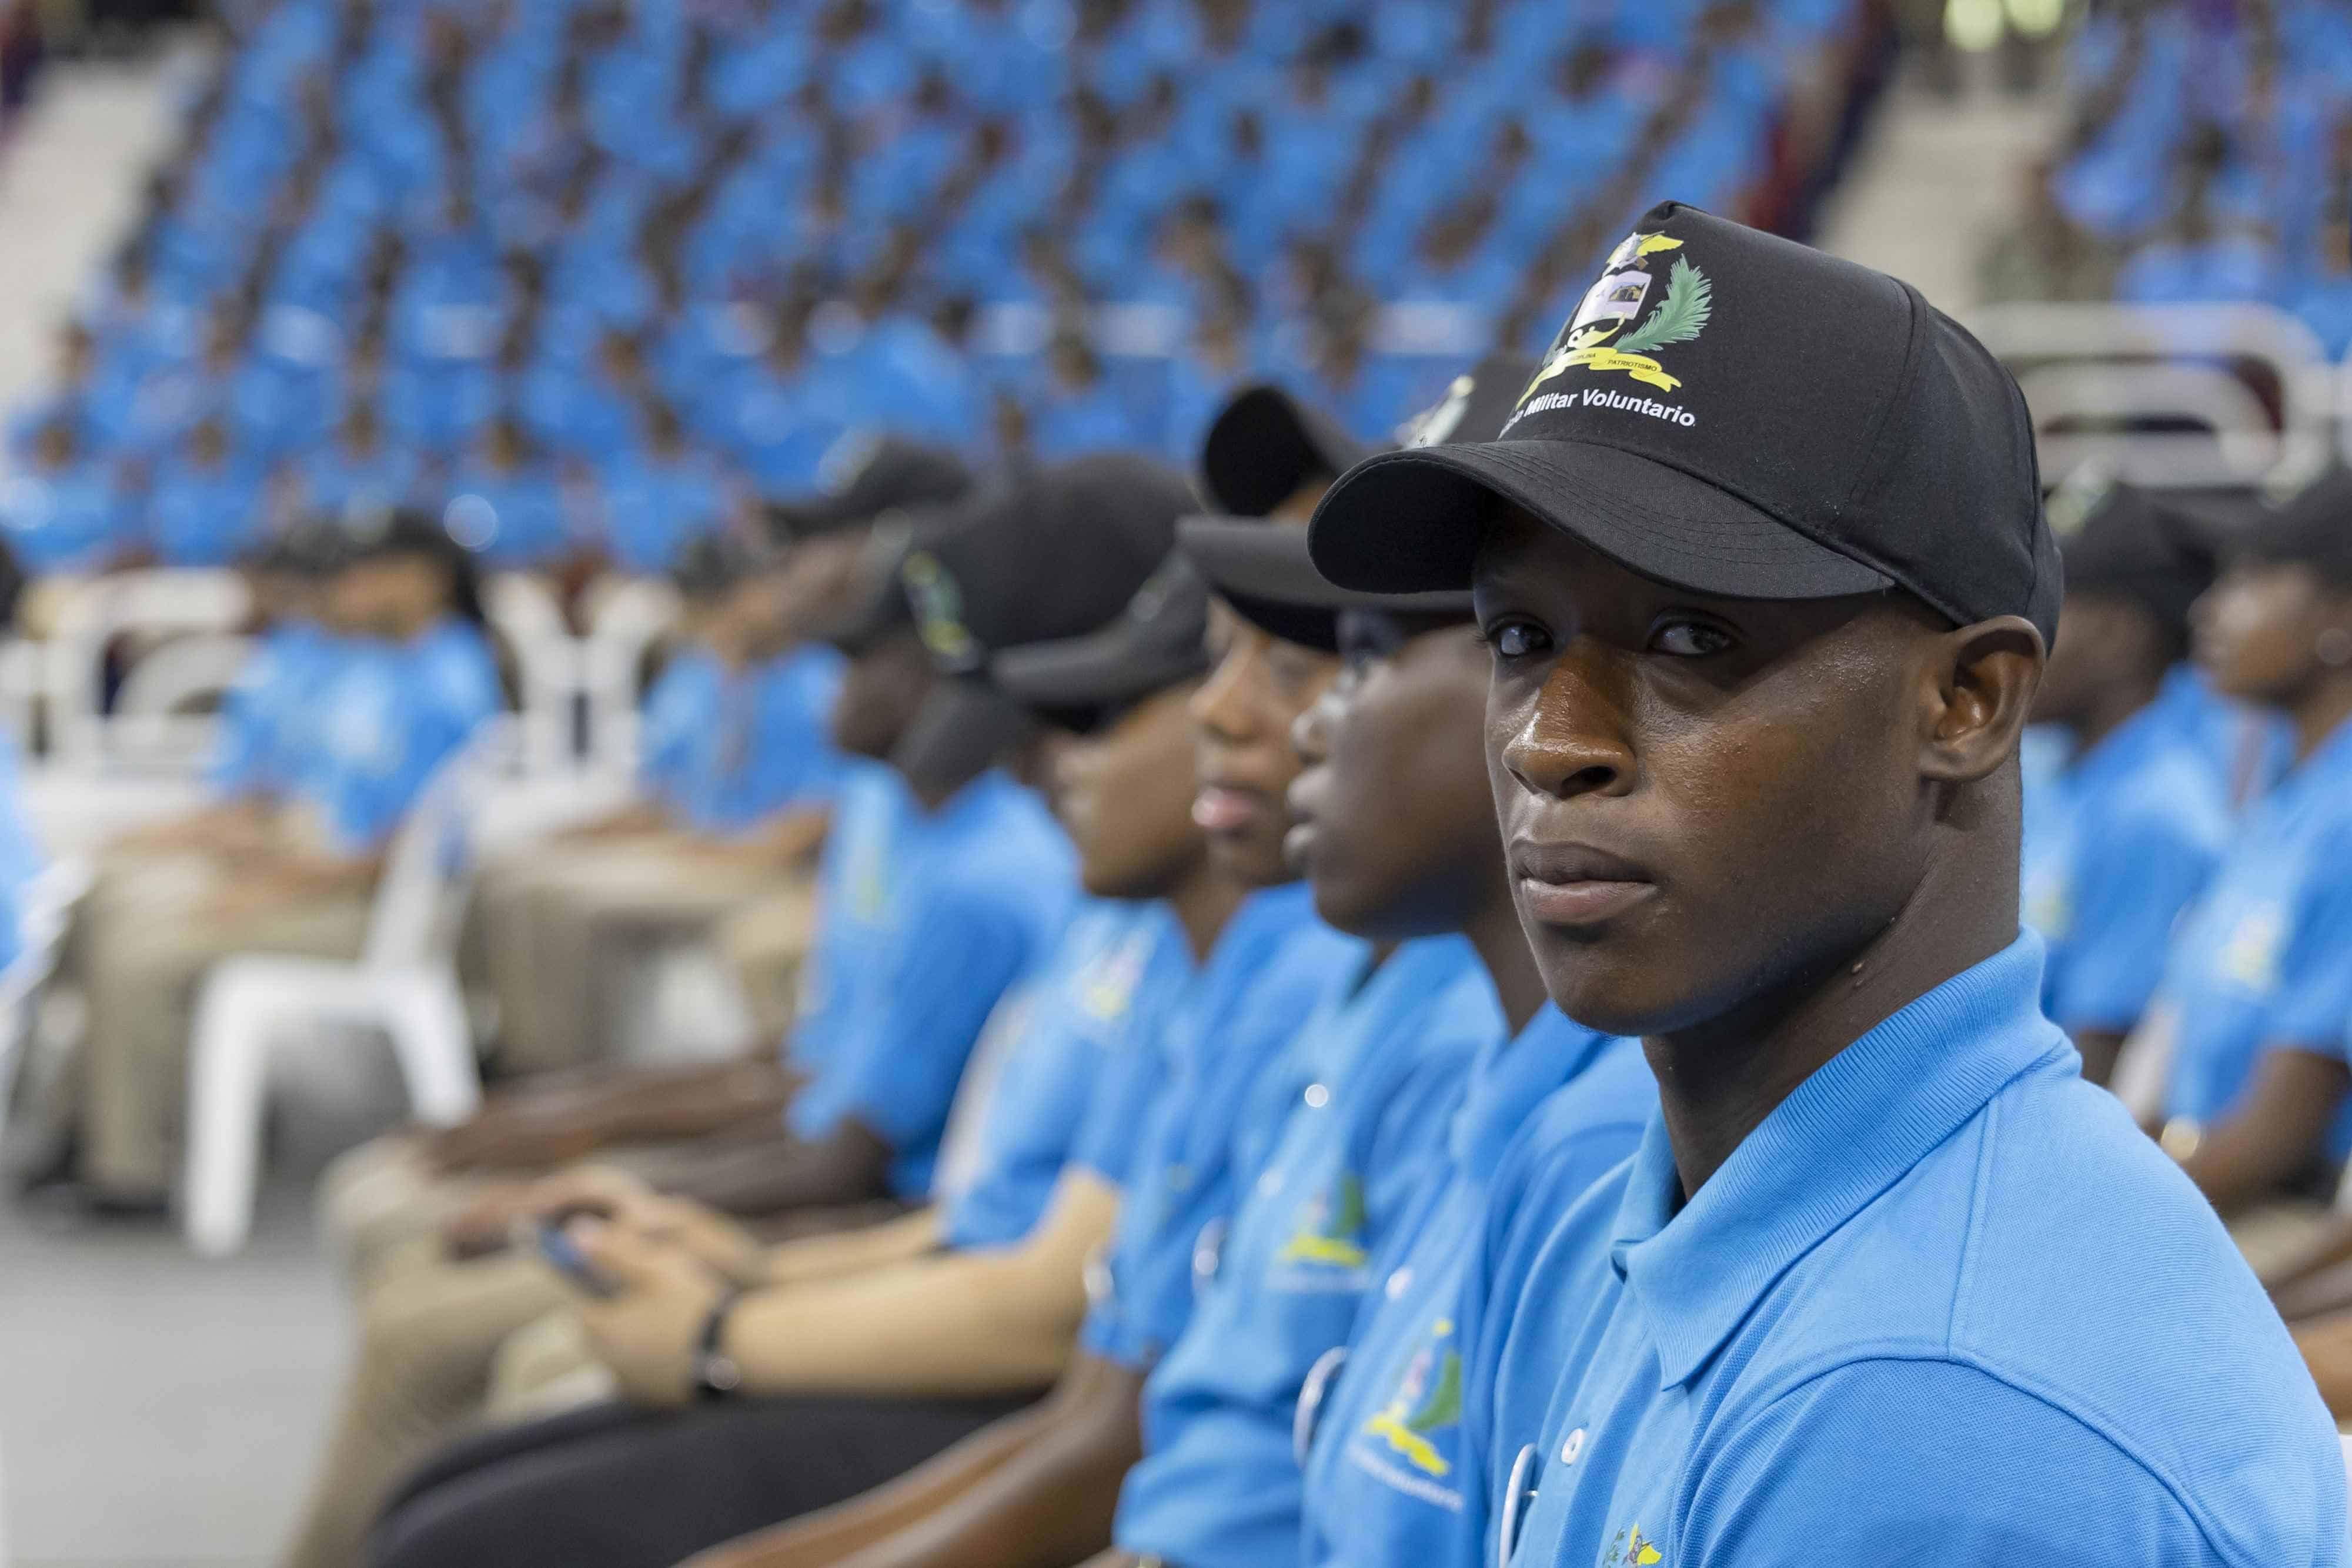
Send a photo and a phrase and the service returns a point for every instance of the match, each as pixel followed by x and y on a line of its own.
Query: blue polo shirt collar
pixel 1846 1134
pixel 1508 1076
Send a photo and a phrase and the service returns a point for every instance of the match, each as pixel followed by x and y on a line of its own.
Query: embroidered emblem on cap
pixel 1609 307
pixel 939 612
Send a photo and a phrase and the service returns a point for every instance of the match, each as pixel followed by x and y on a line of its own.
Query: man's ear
pixel 1976 691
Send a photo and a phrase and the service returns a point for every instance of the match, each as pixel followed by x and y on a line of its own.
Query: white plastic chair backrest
pixel 158 601
pixel 548 658
pixel 182 671
pixel 626 619
pixel 430 857
pixel 2143 1073
pixel 2144 338
pixel 962 1142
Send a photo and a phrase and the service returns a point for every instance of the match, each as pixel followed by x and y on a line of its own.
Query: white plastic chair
pixel 404 983
pixel 627 618
pixel 152 726
pixel 160 601
pixel 548 658
pixel 46 904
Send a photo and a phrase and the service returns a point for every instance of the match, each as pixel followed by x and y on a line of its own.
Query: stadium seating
pixel 584 275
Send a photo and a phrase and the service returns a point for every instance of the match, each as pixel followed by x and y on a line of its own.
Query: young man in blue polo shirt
pixel 2121 838
pixel 1387 1477
pixel 1763 569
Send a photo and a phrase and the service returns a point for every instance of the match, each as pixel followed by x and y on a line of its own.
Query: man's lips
pixel 1562 884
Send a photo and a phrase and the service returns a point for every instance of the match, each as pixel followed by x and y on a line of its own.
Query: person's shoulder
pixel 2049 1246
pixel 1581 1129
pixel 2175 799
pixel 1871 1458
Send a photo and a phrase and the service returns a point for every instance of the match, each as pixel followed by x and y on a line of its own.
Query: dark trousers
pixel 614 1486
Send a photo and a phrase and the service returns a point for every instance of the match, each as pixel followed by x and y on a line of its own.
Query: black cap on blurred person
pixel 1264 572
pixel 2116 538
pixel 891 476
pixel 1046 555
pixel 1083 682
pixel 713 563
pixel 2314 529
pixel 1266 446
pixel 1737 415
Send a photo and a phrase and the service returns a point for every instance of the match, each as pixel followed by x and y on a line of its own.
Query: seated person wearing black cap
pixel 1763 568
pixel 942 1342
pixel 415 678
pixel 2124 834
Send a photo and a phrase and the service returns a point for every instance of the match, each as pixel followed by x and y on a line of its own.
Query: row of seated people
pixel 372 668
pixel 1284 1119
pixel 2206 160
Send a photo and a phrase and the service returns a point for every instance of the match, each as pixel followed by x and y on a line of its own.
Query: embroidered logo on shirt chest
pixel 1631 1549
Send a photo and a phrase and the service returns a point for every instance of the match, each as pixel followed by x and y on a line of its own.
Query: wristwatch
pixel 717 1375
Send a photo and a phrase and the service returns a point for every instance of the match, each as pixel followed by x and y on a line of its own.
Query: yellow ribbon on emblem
pixel 1640 367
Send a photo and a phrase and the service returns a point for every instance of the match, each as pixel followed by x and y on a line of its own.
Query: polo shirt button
pixel 1400 1282
pixel 1574 1446
pixel 1269 1182
pixel 1317 1096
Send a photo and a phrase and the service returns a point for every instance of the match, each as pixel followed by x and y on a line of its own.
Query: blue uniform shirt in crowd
pixel 680 709
pixel 269 721
pixel 1271 966
pixel 1946 1304
pixel 65 520
pixel 983 888
pixel 21 859
pixel 1075 1024
pixel 204 515
pixel 1357 1145
pixel 768 744
pixel 2265 958
pixel 2247 749
pixel 2116 844
pixel 391 714
pixel 858 876
pixel 1389 1479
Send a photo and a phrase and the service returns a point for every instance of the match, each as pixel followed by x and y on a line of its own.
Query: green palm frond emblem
pixel 1680 316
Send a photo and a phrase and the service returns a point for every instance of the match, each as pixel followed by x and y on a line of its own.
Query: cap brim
pixel 1410 522
pixel 1109 669
pixel 1266 444
pixel 1264 572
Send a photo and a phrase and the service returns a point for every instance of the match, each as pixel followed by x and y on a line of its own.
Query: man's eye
pixel 1518 640
pixel 1689 640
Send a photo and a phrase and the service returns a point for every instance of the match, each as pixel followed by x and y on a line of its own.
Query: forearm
pixel 556 1121
pixel 976 1322
pixel 2273 1135
pixel 840 1252
pixel 753 1179
pixel 2326 1348
pixel 961 1323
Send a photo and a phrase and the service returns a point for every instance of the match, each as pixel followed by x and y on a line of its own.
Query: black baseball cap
pixel 2116 538
pixel 1740 415
pixel 2314 529
pixel 1082 683
pixel 888 475
pixel 710 564
pixel 1264 570
pixel 1266 444
pixel 1045 555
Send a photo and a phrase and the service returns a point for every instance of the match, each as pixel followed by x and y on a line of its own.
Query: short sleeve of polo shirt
pixel 2314 999
pixel 896 1068
pixel 2128 890
pixel 1122 1098
pixel 1931 1462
